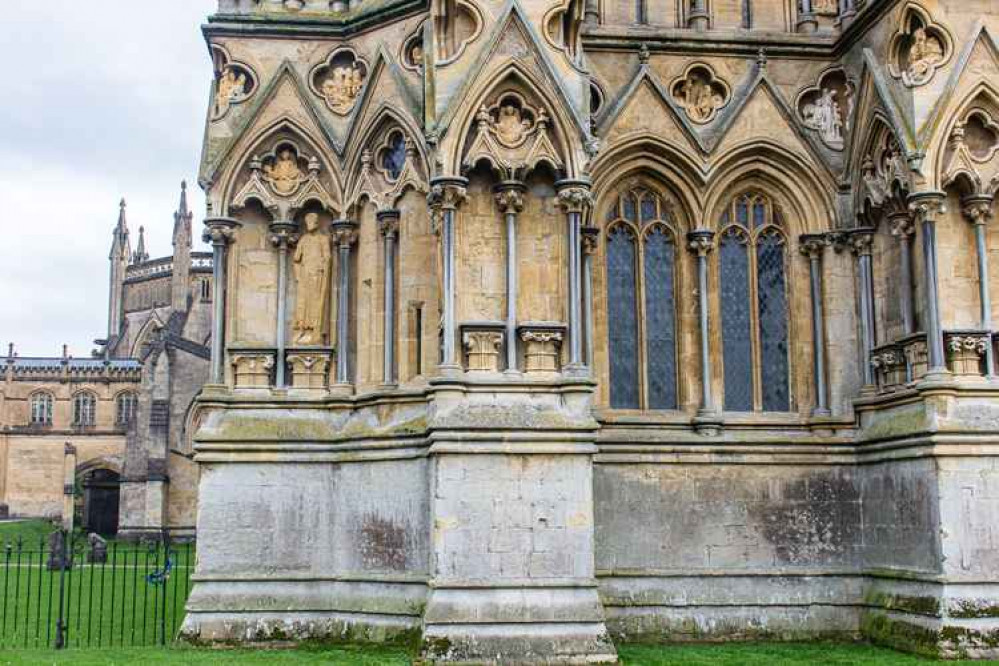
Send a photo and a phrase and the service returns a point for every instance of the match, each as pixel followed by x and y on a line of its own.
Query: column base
pixel 708 423
pixel 698 21
pixel 807 24
pixel 341 390
pixel 576 371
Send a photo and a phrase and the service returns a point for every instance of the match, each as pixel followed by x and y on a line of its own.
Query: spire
pixel 119 245
pixel 140 255
pixel 182 220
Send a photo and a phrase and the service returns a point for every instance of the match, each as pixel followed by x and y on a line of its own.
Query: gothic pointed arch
pixel 967 146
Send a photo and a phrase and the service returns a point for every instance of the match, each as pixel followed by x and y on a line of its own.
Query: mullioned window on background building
pixel 125 408
pixel 41 409
pixel 84 409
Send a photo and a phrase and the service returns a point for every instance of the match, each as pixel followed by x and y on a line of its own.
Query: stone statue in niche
pixel 511 126
pixel 231 87
pixel 825 115
pixel 342 86
pixel 312 275
pixel 699 99
pixel 284 175
pixel 925 53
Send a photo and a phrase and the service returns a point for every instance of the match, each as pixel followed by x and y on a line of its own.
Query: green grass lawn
pixel 111 604
pixel 743 654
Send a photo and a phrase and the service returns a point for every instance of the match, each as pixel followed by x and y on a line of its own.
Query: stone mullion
pixel 510 199
pixel 344 235
pixel 813 246
pixel 219 232
pixel 446 193
pixel 926 206
pixel 388 221
pixel 978 211
pixel 861 240
pixel 282 237
pixel 701 242
pixel 591 237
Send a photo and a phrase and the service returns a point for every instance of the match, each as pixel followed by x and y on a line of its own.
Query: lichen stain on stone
pixel 383 544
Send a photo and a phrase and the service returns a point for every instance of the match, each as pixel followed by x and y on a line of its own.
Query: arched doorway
pixel 101 497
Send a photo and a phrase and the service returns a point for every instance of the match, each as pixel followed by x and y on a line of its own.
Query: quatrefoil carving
pixel 700 93
pixel 339 79
pixel 919 48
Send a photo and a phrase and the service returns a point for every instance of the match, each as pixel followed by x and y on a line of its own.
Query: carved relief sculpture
pixel 825 7
pixel 234 83
pixel 511 134
pixel 918 49
pixel 283 181
pixel 699 93
pixel 312 275
pixel 339 80
pixel 827 107
pixel 283 173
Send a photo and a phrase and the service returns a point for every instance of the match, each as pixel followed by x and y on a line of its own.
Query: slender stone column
pixel 344 236
pixel 591 237
pixel 591 12
pixel 701 242
pixel 861 240
pixel 510 199
pixel 574 198
pixel 282 237
pixel 813 246
pixel 388 224
pixel 446 194
pixel 903 229
pixel 926 206
pixel 978 210
pixel 219 231
pixel 698 17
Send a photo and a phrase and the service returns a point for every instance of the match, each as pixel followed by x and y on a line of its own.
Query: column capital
pixel 701 241
pixel 901 224
pixel 591 238
pixel 344 233
pixel 447 192
pixel 926 206
pixel 510 196
pixel 812 245
pixel 574 195
pixel 283 234
pixel 219 230
pixel 388 222
pixel 861 240
pixel 977 209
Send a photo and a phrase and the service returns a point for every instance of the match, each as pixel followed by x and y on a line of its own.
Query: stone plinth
pixel 252 368
pixel 310 367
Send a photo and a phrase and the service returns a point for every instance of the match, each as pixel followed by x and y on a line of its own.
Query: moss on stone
pixel 917 605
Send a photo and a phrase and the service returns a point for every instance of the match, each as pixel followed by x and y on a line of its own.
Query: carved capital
pixel 812 245
pixel 510 196
pixel 701 242
pixel 574 195
pixel 591 239
pixel 927 206
pixel 901 225
pixel 388 223
pixel 977 210
pixel 447 193
pixel 283 234
pixel 344 233
pixel 220 230
pixel 861 240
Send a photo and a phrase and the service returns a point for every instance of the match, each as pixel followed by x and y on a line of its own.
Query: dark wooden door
pixel 101 490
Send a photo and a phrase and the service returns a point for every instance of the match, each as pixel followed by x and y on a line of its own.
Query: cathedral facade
pixel 541 325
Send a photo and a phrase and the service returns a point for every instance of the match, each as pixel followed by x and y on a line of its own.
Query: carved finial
pixel 643 54
pixel 957 135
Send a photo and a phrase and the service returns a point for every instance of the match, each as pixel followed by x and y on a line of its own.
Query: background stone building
pixel 545 324
pixel 112 427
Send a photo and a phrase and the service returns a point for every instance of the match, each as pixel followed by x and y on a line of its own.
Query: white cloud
pixel 107 99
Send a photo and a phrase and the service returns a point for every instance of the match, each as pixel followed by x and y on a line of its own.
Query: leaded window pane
pixel 41 409
pixel 623 318
pixel 742 212
pixel 649 211
pixel 629 209
pixel 394 157
pixel 759 214
pixel 772 296
pixel 660 319
pixel 84 408
pixel 735 310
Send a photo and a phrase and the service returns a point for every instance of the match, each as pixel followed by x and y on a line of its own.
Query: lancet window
pixel 41 409
pixel 754 306
pixel 125 407
pixel 84 409
pixel 641 247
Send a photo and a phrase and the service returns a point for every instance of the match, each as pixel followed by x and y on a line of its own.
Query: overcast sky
pixel 102 99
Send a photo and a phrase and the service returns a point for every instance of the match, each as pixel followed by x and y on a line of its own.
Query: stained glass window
pixel 755 329
pixel 660 325
pixel 621 311
pixel 394 155
pixel 643 353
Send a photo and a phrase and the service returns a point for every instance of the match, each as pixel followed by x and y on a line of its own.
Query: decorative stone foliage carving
pixel 822 7
pixel 966 352
pixel 541 348
pixel 512 135
pixel 456 24
pixel 889 367
pixel 827 107
pixel 283 181
pixel 916 356
pixel 482 349
pixel 235 82
pixel 919 48
pixel 251 369
pixel 339 80
pixel 885 174
pixel 700 93
pixel 309 368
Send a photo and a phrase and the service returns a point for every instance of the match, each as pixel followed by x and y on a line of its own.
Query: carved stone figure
pixel 231 87
pixel 341 87
pixel 284 175
pixel 312 275
pixel 926 52
pixel 699 98
pixel 825 7
pixel 511 126
pixel 825 116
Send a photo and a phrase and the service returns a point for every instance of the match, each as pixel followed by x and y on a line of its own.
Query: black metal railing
pixel 68 590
